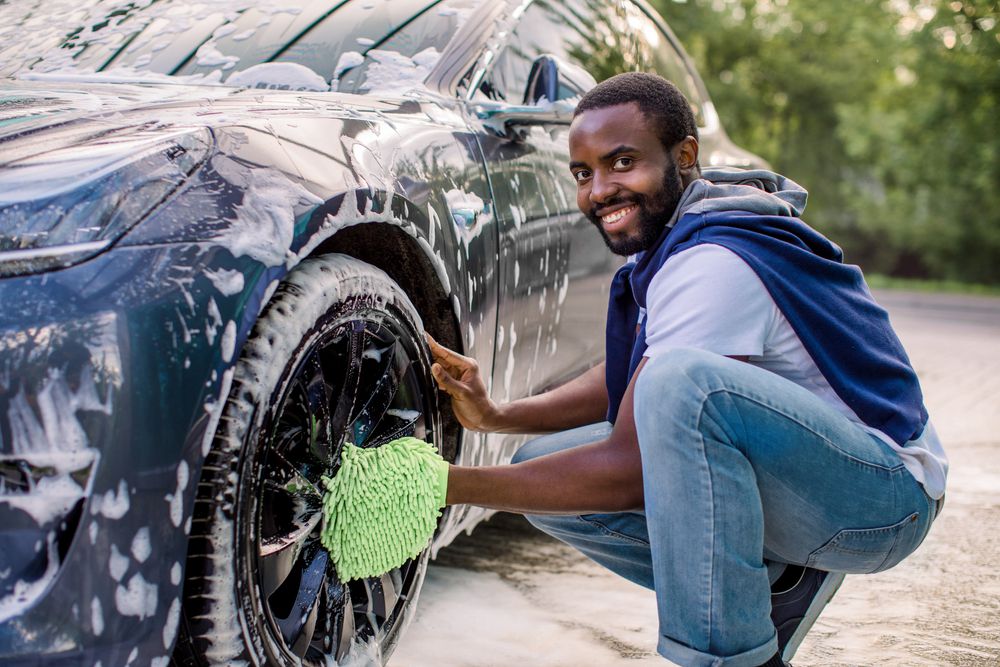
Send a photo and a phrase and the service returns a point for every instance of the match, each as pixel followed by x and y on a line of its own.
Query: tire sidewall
pixel 314 299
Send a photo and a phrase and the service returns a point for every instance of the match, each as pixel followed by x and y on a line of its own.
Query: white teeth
pixel 617 215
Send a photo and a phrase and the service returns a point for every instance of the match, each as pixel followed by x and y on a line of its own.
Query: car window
pixel 589 33
pixel 604 37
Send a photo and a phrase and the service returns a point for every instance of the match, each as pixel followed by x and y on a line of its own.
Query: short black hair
pixel 663 104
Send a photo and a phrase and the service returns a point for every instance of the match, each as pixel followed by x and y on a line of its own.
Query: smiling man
pixel 756 424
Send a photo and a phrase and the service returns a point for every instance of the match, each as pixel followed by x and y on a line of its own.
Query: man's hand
pixel 459 377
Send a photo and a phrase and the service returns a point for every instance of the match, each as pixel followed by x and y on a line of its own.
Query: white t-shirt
pixel 706 297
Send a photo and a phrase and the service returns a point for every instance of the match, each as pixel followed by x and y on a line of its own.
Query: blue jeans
pixel 741 469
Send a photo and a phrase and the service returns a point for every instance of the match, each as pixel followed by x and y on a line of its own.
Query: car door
pixel 555 270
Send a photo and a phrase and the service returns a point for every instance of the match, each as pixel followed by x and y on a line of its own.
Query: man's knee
pixel 679 370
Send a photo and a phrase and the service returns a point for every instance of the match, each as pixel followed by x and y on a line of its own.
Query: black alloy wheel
pixel 358 373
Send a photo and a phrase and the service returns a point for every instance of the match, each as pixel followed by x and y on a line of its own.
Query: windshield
pixel 352 45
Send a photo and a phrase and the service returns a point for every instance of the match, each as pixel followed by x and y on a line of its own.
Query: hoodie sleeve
pixel 707 298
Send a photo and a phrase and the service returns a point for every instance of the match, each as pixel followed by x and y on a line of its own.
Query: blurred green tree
pixel 886 110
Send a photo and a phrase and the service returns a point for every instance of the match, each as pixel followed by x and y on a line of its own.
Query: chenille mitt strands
pixel 381 507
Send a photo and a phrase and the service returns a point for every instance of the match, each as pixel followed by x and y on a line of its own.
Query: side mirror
pixel 553 88
pixel 552 79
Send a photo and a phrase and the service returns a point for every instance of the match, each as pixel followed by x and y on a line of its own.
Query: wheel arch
pixel 392 239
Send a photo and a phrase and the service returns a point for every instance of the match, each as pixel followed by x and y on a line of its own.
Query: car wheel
pixel 337 356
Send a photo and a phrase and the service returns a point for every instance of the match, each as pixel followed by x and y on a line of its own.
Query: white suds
pixel 213 322
pixel 226 638
pixel 228 342
pixel 176 499
pixel 117 563
pixel 362 654
pixel 214 409
pixel 50 498
pixel 407 415
pixel 141 546
pixel 347 60
pixel 393 73
pixel 279 76
pixel 138 599
pixel 265 220
pixel 467 209
pixel 170 626
pixel 112 505
pixel 227 281
pixel 508 374
pixel 26 592
pixel 96 616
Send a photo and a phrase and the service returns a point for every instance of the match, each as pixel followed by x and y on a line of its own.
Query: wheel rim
pixel 361 381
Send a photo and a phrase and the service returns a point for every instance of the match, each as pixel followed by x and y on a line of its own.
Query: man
pixel 759 409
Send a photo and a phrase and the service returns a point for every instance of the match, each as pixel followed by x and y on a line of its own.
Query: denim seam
pixel 707 620
pixel 612 533
pixel 807 427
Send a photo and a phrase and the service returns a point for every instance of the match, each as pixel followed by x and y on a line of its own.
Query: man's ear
pixel 686 157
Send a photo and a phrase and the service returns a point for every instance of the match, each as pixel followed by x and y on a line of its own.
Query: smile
pixel 612 218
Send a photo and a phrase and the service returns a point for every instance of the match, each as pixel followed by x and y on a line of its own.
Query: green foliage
pixel 888 111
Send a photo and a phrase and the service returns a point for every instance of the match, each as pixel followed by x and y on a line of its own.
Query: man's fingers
pixel 444 356
pixel 446 381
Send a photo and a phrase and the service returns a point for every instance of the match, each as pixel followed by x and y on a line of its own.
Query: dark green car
pixel 224 228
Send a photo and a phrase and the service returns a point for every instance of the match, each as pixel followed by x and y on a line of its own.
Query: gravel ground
pixel 507 595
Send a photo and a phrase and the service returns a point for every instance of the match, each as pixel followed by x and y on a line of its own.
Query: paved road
pixel 507 595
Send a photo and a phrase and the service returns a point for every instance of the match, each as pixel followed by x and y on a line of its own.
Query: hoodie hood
pixel 754 191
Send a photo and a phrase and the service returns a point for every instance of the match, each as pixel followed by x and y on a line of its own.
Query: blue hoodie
pixel 754 214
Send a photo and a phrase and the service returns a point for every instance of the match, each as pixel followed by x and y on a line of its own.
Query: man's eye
pixel 622 163
pixel 581 175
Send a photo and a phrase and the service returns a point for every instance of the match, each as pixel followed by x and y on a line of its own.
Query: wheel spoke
pixel 395 423
pixel 346 362
pixel 382 393
pixel 376 597
pixel 285 477
pixel 319 401
pixel 340 628
pixel 292 510
pixel 298 625
pixel 386 593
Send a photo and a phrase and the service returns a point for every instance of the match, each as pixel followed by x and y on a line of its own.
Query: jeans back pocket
pixel 866 550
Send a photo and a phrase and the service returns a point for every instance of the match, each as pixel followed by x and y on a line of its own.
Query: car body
pixel 170 174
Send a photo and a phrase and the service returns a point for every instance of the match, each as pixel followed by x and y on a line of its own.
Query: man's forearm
pixel 581 401
pixel 591 478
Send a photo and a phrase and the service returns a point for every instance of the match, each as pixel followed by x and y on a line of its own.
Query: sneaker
pixel 797 598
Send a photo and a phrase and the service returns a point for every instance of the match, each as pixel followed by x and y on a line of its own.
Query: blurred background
pixel 887 111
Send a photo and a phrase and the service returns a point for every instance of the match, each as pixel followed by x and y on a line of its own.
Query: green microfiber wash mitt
pixel 381 507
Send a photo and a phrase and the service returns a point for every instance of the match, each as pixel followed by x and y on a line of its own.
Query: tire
pixel 337 355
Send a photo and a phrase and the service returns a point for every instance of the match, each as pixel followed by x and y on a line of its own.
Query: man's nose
pixel 602 188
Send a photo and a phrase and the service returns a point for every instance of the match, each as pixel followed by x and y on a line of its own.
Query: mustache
pixel 637 200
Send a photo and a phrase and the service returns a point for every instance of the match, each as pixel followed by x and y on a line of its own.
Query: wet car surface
pixel 223 228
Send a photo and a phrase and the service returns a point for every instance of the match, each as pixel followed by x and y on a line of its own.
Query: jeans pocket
pixel 866 550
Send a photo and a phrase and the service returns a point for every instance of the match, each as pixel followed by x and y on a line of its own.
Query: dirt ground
pixel 507 595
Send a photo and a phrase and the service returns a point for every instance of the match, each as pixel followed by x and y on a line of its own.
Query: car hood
pixel 39 116
pixel 27 105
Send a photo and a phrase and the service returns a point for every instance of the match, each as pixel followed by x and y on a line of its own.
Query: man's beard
pixel 654 213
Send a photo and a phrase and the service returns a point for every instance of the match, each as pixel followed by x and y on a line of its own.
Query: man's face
pixel 628 184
